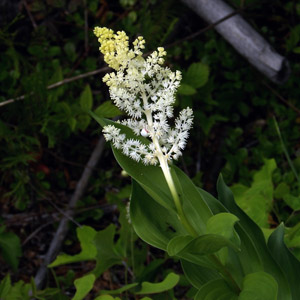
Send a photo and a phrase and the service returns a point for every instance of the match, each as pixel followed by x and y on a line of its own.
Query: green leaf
pixel 70 50
pixel 216 290
pixel 223 224
pixel 287 261
pixel 86 98
pixel 5 286
pixel 148 288
pixel 193 204
pixel 83 286
pixel 10 248
pixel 281 190
pixel 292 201
pixel 198 275
pixel 106 254
pixel 182 247
pixel 19 290
pixel 107 110
pixel 257 200
pixel 120 290
pixel 57 76
pixel 72 123
pixel 207 122
pixel 157 188
pixel 259 286
pixel 185 89
pixel 197 75
pixel 151 288
pixel 178 243
pixel 152 222
pixel 86 237
pixel 296 50
pixel 292 238
pixel 83 121
pixel 152 180
pixel 106 297
pixel 202 245
pixel 254 255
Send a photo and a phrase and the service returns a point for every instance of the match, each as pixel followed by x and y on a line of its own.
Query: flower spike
pixel 145 90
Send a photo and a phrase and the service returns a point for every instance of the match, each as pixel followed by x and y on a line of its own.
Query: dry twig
pixel 62 229
pixel 59 83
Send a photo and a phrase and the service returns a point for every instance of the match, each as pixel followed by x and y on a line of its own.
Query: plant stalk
pixel 180 213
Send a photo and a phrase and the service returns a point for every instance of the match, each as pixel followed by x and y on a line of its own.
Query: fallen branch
pixel 59 83
pixel 62 229
pixel 243 38
pixel 22 219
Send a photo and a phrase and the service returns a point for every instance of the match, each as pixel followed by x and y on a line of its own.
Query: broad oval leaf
pixel 216 290
pixel 197 75
pixel 178 243
pixel 223 224
pixel 259 286
pixel 198 275
pixel 207 244
pixel 287 261
pixel 255 254
pixel 152 222
pixel 152 180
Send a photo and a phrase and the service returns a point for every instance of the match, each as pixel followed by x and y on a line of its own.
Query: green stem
pixel 226 275
pixel 183 219
pixel 132 251
pixel 180 213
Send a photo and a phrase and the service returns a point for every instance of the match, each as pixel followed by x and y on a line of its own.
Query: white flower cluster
pixel 146 92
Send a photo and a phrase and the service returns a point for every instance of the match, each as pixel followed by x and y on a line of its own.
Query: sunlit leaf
pixel 151 288
pixel 86 237
pixel 259 286
pixel 83 286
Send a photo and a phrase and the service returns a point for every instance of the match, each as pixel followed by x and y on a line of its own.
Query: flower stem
pixel 226 275
pixel 166 171
pixel 180 213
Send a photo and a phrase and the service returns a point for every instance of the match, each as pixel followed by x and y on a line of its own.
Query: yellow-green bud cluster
pixel 115 47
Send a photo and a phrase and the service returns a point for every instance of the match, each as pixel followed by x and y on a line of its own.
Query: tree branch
pixel 59 83
pixel 62 229
pixel 243 38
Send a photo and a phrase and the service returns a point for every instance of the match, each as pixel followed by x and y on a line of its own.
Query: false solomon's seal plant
pixel 223 252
